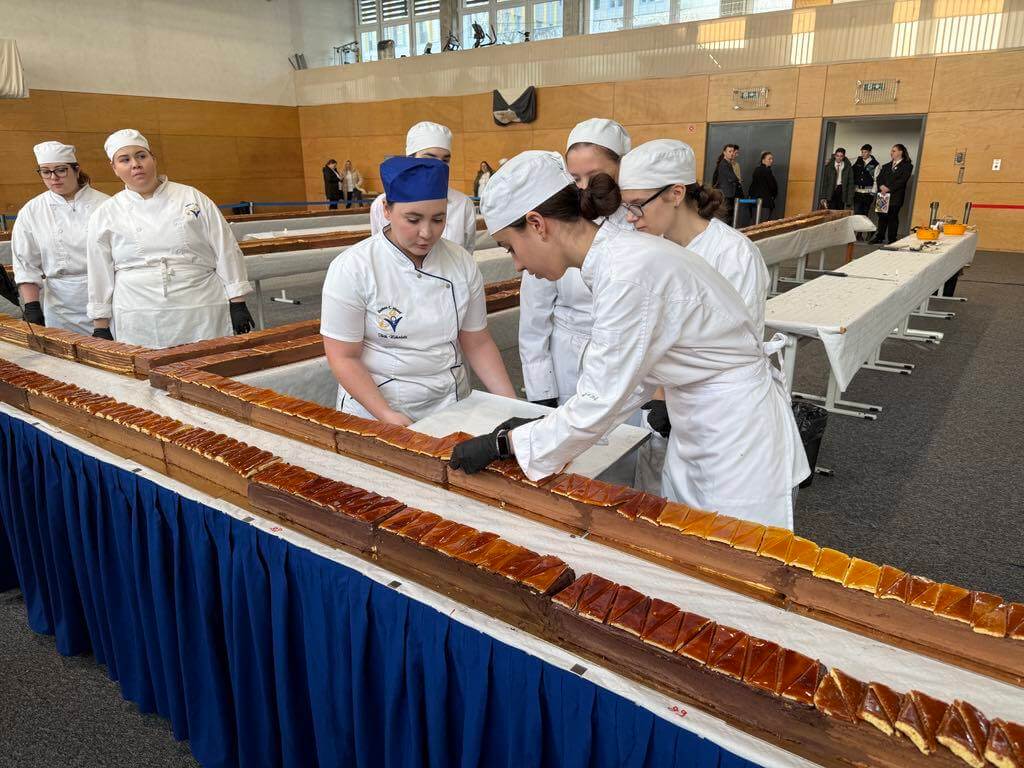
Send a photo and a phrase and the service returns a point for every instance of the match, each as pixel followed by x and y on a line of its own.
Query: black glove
pixel 515 421
pixel 33 313
pixel 241 320
pixel 658 417
pixel 474 454
pixel 102 333
pixel 551 402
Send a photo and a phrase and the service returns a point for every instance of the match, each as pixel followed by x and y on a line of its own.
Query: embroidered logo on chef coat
pixel 389 317
pixel 191 209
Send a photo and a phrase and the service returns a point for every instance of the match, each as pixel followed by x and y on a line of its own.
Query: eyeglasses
pixel 60 171
pixel 636 210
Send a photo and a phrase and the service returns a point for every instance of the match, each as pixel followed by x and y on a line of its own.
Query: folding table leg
pixel 258 290
pixel 926 311
pixel 904 332
pixel 773 273
pixel 833 403
pixel 874 363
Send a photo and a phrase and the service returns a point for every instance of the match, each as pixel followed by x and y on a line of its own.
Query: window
pixel 801 50
pixel 511 26
pixel 607 15
pixel 967 25
pixel 905 15
pixel 547 20
pixel 647 13
pixel 410 23
pixel 483 18
pixel 723 35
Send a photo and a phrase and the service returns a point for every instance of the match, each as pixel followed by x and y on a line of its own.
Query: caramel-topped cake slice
pixel 456 548
pixel 881 708
pixel 445 445
pixel 954 603
pixel 832 565
pixel 570 596
pixel 632 620
pixel 776 544
pixel 593 492
pixel 992 623
pixel 919 720
pixel 982 603
pixel 893 584
pixel 677 516
pixel 643 506
pixel 803 553
pixel 926 598
pixel 625 600
pixel 839 695
pixel 1015 621
pixel 692 624
pixel 698 647
pixel 595 589
pixel 724 529
pixel 748 536
pixel 700 524
pixel 665 635
pixel 658 612
pixel 763 665
pixel 728 652
pixel 596 607
pixel 798 677
pixel 549 578
pixel 1005 746
pixel 863 575
pixel 444 532
pixel 964 732
pixel 500 554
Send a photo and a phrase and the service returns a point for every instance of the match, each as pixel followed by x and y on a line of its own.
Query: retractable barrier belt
pixel 997 206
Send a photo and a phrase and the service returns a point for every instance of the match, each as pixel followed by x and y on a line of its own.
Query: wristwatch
pixel 504 445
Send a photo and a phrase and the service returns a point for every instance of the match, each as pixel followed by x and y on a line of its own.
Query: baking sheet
pixel 866 659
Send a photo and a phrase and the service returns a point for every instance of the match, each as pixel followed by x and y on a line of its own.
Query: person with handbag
pixel 892 192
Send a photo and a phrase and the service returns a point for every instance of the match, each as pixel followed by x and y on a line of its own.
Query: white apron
pixel 165 305
pixel 753 478
pixel 64 302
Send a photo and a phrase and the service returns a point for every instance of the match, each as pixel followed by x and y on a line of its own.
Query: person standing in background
pixel 352 185
pixel 836 192
pixel 763 185
pixel 49 241
pixel 892 190
pixel 727 181
pixel 864 188
pixel 482 177
pixel 332 183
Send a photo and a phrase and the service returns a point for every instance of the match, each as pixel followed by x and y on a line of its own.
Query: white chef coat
pixel 49 240
pixel 664 317
pixel 555 318
pixel 736 258
pixel 460 226
pixel 408 319
pixel 163 268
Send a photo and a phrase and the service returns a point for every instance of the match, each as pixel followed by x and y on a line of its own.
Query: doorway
pixel 753 138
pixel 881 133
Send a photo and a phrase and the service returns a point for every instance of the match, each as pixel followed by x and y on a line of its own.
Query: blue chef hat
pixel 412 179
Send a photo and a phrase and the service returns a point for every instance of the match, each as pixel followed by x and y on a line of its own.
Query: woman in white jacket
pixel 49 241
pixel 555 316
pixel 164 267
pixel 662 318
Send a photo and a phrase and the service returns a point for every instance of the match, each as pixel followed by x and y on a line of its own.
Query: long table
pixel 279 626
pixel 852 312
pixel 799 244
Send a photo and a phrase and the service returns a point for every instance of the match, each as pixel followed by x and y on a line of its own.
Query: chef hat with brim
pixel 126 137
pixel 658 164
pixel 414 179
pixel 605 133
pixel 426 135
pixel 520 185
pixel 54 152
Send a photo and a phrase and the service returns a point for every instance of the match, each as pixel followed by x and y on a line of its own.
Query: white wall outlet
pixel 997 164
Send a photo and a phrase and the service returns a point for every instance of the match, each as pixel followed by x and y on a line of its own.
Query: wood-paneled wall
pixel 972 102
pixel 230 151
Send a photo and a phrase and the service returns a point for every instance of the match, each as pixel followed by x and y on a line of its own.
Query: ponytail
pixel 703 199
pixel 600 199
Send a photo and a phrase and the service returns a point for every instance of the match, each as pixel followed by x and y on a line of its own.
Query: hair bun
pixel 601 198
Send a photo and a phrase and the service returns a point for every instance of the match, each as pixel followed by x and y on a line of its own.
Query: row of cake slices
pixel 985 613
pixel 758 663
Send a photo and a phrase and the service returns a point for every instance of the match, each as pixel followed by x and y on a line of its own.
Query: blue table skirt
pixel 262 653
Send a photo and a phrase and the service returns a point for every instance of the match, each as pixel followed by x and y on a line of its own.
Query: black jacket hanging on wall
pixel 522 110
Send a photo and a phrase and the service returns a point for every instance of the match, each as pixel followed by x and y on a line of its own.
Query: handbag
pixel 882 202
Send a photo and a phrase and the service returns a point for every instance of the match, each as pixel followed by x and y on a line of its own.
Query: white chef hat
pixel 54 152
pixel 604 133
pixel 426 135
pixel 126 137
pixel 657 164
pixel 520 185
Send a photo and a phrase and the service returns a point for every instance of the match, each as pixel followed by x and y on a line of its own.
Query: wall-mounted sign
pixel 876 91
pixel 750 98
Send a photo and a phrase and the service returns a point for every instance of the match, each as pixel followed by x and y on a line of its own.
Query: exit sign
pixel 878 86
pixel 876 91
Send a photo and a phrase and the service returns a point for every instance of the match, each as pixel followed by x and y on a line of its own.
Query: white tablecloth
pixel 862 657
pixel 243 228
pixel 793 245
pixel 853 315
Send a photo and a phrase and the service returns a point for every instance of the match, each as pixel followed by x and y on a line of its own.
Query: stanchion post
pixel 735 211
pixel 252 207
pixel 757 214
pixel 3 222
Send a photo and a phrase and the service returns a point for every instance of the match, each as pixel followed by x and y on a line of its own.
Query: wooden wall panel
pixel 693 134
pixel 492 146
pixel 268 157
pixel 985 136
pixel 446 110
pixel 782 90
pixel 799 197
pixel 803 153
pixel 102 113
pixel 913 97
pixel 565 106
pixel 998 230
pixel 323 121
pixel 980 81
pixel 42 112
pixel 212 157
pixel 810 93
pixel 554 140
pixel 668 100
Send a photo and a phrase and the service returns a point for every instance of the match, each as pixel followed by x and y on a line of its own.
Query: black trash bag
pixel 7 287
pixel 810 421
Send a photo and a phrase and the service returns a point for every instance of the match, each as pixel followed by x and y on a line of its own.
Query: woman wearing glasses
pixel 49 241
pixel 555 316
pixel 662 318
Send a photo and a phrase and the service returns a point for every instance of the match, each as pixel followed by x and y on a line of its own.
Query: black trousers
pixel 333 206
pixel 835 203
pixel 862 202
pixel 889 224
pixel 355 195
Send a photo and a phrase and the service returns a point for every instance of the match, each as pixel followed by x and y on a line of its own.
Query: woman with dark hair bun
pixel 892 191
pixel 663 317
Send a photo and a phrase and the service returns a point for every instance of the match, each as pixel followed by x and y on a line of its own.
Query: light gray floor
pixel 933 486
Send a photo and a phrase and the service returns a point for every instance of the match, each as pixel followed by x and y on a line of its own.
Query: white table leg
pixel 875 363
pixel 834 403
pixel 925 311
pixel 789 362
pixel 258 290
